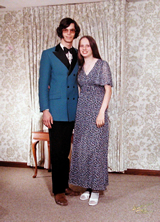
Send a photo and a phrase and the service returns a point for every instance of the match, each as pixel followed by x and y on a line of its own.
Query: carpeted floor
pixel 128 198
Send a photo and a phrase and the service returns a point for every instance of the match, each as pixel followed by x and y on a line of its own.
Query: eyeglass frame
pixel 72 31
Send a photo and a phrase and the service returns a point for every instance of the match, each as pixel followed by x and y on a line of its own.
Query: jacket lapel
pixel 59 53
pixel 74 61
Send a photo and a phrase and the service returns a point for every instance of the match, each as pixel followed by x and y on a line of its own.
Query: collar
pixel 62 46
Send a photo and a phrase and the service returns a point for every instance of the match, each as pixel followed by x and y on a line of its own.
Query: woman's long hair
pixel 94 48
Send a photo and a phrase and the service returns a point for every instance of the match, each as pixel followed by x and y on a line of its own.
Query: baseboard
pixel 13 164
pixel 142 172
pixel 128 171
pixel 17 164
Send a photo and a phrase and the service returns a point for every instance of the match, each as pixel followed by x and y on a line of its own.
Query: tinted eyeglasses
pixel 72 31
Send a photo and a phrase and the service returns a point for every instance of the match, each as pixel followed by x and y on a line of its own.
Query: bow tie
pixel 66 50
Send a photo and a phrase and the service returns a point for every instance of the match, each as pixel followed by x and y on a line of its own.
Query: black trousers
pixel 60 142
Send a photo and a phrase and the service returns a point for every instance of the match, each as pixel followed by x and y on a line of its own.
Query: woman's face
pixel 85 48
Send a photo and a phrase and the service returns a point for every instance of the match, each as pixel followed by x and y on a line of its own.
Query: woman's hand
pixel 100 121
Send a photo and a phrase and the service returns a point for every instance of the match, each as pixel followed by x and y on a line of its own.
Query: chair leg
pixel 35 157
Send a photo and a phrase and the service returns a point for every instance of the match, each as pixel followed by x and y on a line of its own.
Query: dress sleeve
pixel 104 74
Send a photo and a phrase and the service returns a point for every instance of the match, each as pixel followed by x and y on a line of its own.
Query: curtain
pixel 104 21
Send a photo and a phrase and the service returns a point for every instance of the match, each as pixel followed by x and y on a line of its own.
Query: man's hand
pixel 47 118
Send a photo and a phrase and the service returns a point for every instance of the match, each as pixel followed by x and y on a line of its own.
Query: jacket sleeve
pixel 44 81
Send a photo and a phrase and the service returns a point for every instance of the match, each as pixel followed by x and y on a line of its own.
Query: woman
pixel 89 165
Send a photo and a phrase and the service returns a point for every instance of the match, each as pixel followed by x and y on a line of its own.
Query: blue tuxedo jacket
pixel 58 89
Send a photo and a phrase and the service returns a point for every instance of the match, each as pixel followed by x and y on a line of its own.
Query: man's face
pixel 69 33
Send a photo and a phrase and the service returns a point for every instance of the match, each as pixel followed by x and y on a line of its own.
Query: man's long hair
pixel 64 23
pixel 94 48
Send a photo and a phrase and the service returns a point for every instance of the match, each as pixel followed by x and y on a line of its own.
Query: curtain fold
pixel 104 21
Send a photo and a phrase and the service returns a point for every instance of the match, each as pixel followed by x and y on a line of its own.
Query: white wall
pixel 14 90
pixel 142 119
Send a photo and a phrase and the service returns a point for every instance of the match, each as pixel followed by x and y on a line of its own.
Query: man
pixel 58 95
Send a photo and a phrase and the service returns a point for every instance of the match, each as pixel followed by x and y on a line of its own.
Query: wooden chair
pixel 36 137
pixel 42 136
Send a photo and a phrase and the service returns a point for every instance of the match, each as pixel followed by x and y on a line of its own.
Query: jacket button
pixel 67 86
pixel 74 74
pixel 73 86
pixel 68 98
pixel 73 98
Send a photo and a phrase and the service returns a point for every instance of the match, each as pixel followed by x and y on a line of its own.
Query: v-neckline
pixel 91 68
